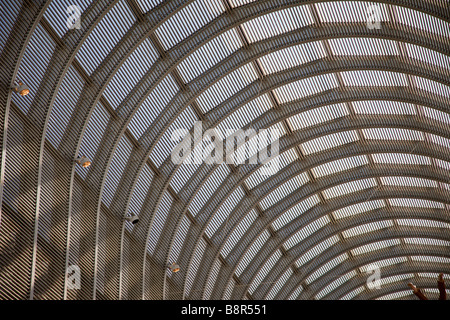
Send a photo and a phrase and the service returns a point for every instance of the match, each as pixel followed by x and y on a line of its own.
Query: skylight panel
pixel 306 231
pixel 375 246
pixel 437 115
pixel 431 259
pixel 252 251
pixel 187 21
pixel 433 87
pixel 427 55
pixel 306 87
pixel 130 73
pixel 264 271
pixel 147 5
pixel 152 106
pixel 339 166
pixel 10 11
pixel 238 232
pixel 374 78
pixel 326 268
pixel 383 263
pixel 422 21
pixel 208 188
pixel 427 242
pixel 408 182
pixel 57 16
pixel 276 23
pixel 348 11
pixel 209 55
pixel 106 35
pixel 395 295
pixel 366 228
pixel 384 107
pixel 227 87
pixel 349 187
pixel 363 47
pixel 158 222
pixel 292 57
pixel 358 208
pixel 317 115
pixel 329 141
pixel 335 284
pixel 279 284
pixel 295 211
pixel 401 158
pixel 353 293
pixel 284 190
pixel 423 223
pixel 393 134
pixel 317 250
pixel 416 203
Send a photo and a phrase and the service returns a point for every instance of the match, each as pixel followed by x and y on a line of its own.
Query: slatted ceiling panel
pixel 229 290
pixel 92 136
pixel 113 27
pixel 244 115
pixel 276 23
pixel 212 280
pixel 131 72
pixel 349 187
pixel 339 166
pixel 252 251
pixel 335 284
pixel 159 219
pixel 395 295
pixel 348 11
pixel 227 87
pixel 363 47
pixel 318 115
pixel 371 247
pixel 316 250
pixel 102 252
pixel 118 163
pixel 415 203
pixel 178 241
pixel 431 259
pixel 284 190
pixel 183 174
pixel 295 211
pixel 140 193
pixel 152 106
pixel 432 86
pixel 436 115
pixel 224 211
pixel 47 190
pixel 383 107
pixel 392 134
pixel 401 158
pixel 264 271
pixel 279 284
pixel 291 57
pixel 57 14
pixel 33 66
pixel 9 11
pixel 432 275
pixel 237 233
pixel 366 228
pixel 374 78
pixel 209 55
pixel 442 164
pixel 305 232
pixel 422 21
pixel 188 20
pixel 353 293
pixel 147 5
pixel 127 279
pixel 427 55
pixel 238 3
pixel 166 144
pixel 296 293
pixel 193 268
pixel 306 87
pixel 423 223
pixel 427 242
pixel 440 140
pixel 208 188
pixel 329 141
pixel 358 208
pixel 383 263
pixel 409 181
pixel 323 270
pixel 64 105
pixel 433 290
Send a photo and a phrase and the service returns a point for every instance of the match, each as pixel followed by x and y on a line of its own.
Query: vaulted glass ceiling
pixel 362 118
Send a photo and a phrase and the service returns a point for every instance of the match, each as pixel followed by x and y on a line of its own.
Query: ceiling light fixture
pixel 133 218
pixel 173 267
pixel 21 89
pixel 83 161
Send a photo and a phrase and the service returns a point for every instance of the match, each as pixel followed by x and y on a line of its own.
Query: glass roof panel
pixel 442 164
pixel 209 55
pixel 366 228
pixel 349 187
pixel 395 295
pixel 392 134
pixel 335 284
pixel 427 55
pixel 276 23
pixel 383 263
pixel 329 142
pixel 432 86
pixel 374 78
pixel 147 5
pixel 279 284
pixel 317 115
pixel 353 293
pixel 252 251
pixel 437 115
pixel 183 174
pixel 433 275
pixel 305 87
pixel 363 47
pixel 326 267
pixel 238 3
pixel 339 166
pixel 348 11
pixel 358 208
pixel 10 11
pixel 431 259
pixel 227 87
pixel 187 21
pixel 238 232
pixel 408 181
pixel 423 223
pixel 113 27
pixel 383 107
pixel 416 203
pixel 158 221
pixel 427 242
pixel 440 140
pixel 401 158
pixel 292 56
pixel 417 19
pixel 264 271
pixel 295 212
pixel 375 246
pixel 317 250
pixel 284 190
pixel 306 231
